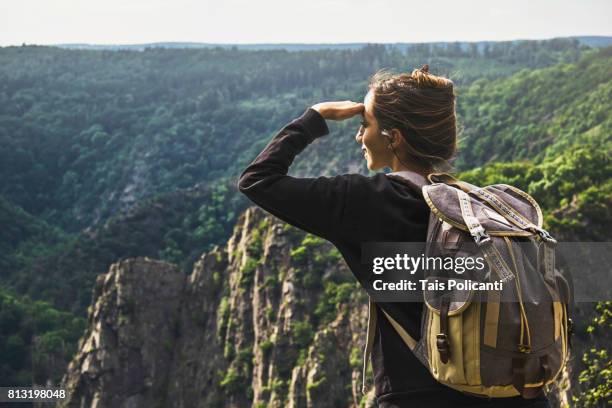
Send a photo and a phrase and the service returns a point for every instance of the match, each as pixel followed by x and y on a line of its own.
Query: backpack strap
pixel 446 178
pixel 410 342
pixel 442 343
pixel 372 322
pixel 420 181
pixel 482 239
pixel 502 208
pixel 499 205
pixel 369 341
pixel 518 377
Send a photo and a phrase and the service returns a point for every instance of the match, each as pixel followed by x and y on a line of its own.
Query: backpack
pixel 473 341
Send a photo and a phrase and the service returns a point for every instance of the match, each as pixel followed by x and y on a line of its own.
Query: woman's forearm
pixel 313 204
pixel 278 155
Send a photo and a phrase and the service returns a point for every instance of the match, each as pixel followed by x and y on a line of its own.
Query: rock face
pixel 126 353
pixel 274 319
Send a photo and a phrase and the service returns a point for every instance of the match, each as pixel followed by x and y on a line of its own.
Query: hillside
pixel 123 158
pixel 174 226
pixel 521 116
pixel 24 237
pixel 36 340
pixel 85 134
pixel 573 163
pixel 270 319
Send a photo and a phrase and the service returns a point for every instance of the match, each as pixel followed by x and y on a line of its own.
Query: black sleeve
pixel 315 205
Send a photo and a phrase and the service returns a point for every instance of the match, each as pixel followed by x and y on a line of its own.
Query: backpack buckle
pixel 480 236
pixel 545 235
pixel 524 348
pixel 443 347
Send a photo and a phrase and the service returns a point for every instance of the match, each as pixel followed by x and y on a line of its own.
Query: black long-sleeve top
pixel 347 210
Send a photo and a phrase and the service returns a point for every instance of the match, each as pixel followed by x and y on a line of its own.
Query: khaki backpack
pixel 473 341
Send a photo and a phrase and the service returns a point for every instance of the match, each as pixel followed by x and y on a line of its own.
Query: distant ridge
pixel 591 41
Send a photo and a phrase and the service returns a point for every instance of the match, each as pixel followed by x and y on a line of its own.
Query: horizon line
pixel 297 43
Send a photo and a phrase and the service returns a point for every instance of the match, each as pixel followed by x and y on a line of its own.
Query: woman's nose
pixel 358 136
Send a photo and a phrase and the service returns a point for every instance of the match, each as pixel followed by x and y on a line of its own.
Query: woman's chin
pixel 373 166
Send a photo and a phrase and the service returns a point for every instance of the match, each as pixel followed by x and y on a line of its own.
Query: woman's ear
pixel 395 137
pixel 388 138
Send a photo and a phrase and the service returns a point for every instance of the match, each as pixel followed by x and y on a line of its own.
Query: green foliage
pixel 232 382
pixel 266 346
pixel 30 333
pixel 276 385
pixel 302 356
pixel 311 240
pixel 77 125
pixel 270 282
pixel 333 296
pixel 316 258
pixel 363 401
pixel 522 115
pixel 595 381
pixel 122 320
pixel 312 386
pixel 310 279
pixel 518 174
pixel 157 227
pixel 86 133
pixel 577 169
pixel 263 224
pixel 299 254
pixel 245 357
pixel 222 316
pixel 24 238
pixel 302 333
pixel 248 271
pixel 216 276
pixel 270 313
pixel 255 247
pixel 134 140
pixel 356 358
pixel 587 216
pixel 574 189
pixel 332 256
pixel 229 352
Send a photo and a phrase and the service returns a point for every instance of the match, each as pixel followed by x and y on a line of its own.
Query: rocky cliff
pixel 273 319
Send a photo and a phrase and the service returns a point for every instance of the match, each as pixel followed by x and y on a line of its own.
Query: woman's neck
pixel 396 165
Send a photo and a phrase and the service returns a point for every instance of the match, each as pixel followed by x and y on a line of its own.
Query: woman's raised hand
pixel 339 110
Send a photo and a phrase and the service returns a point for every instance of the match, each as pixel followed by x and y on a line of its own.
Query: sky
pixel 290 21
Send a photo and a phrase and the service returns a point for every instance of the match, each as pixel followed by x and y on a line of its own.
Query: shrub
pixel 302 333
pixel 232 382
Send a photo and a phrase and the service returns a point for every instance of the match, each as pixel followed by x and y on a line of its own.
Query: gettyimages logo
pixel 519 272
pixel 411 264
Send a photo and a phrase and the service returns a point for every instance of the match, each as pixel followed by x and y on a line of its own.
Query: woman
pixel 408 125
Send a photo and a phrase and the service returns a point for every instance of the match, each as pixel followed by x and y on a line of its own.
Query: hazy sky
pixel 305 21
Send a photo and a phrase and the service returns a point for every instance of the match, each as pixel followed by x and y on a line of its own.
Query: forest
pixel 111 154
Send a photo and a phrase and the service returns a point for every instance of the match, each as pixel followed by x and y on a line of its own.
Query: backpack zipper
pixel 522 346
